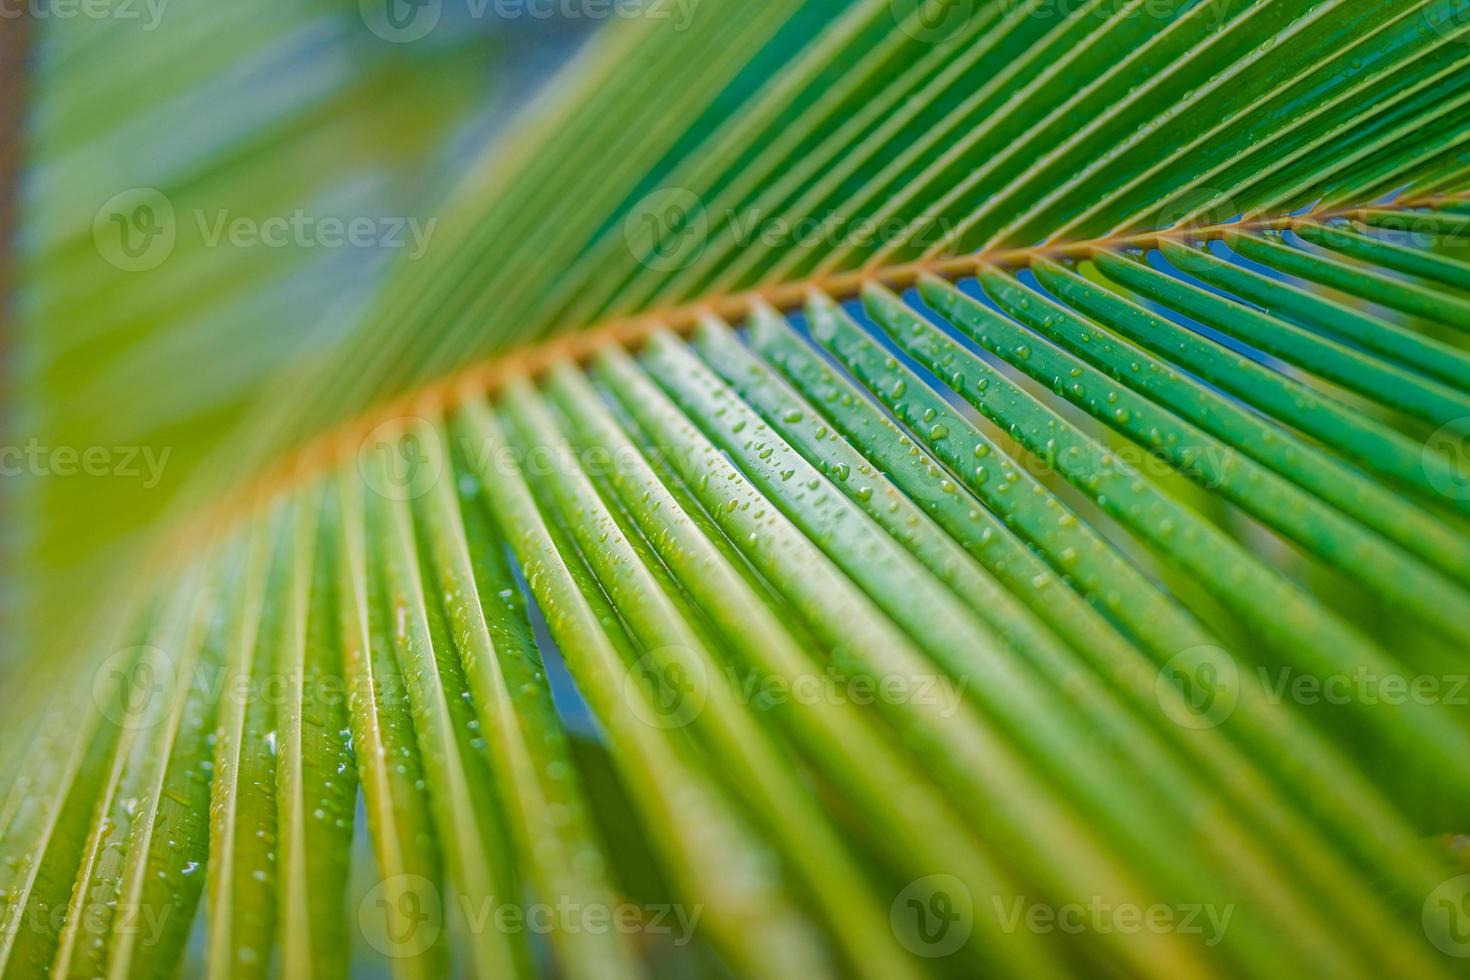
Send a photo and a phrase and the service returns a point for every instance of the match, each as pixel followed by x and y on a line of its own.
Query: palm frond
pixel 1070 528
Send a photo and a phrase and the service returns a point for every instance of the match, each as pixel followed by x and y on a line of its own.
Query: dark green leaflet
pixel 1113 724
pixel 1360 373
pixel 315 773
pixel 523 736
pixel 839 739
pixel 661 622
pixel 390 768
pixel 1119 588
pixel 1364 439
pixel 160 681
pixel 863 641
pixel 1446 363
pixel 1277 447
pixel 1418 300
pixel 922 477
pixel 1214 464
pixel 1451 220
pixel 955 640
pixel 242 832
pixel 707 847
pixel 466 814
pixel 167 859
pixel 1341 237
pixel 1287 615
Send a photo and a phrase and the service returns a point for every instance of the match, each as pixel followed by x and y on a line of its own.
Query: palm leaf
pixel 990 478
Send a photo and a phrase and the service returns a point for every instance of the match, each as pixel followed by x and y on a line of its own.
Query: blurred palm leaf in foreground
pixel 880 489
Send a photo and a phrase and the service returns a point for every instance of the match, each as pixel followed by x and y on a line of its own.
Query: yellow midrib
pixel 438 397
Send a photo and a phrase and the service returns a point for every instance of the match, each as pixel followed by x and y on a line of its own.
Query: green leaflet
pixel 1276 501
pixel 1364 439
pixel 315 772
pixel 522 735
pixel 925 479
pixel 139 883
pixel 1425 301
pixel 1112 723
pixel 1176 641
pixel 663 622
pixel 163 879
pixel 391 771
pixel 1235 153
pixel 1446 363
pixel 707 847
pixel 954 640
pixel 1279 611
pixel 467 815
pixel 242 806
pixel 1415 262
pixel 1306 465
pixel 838 738
pixel 1334 362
